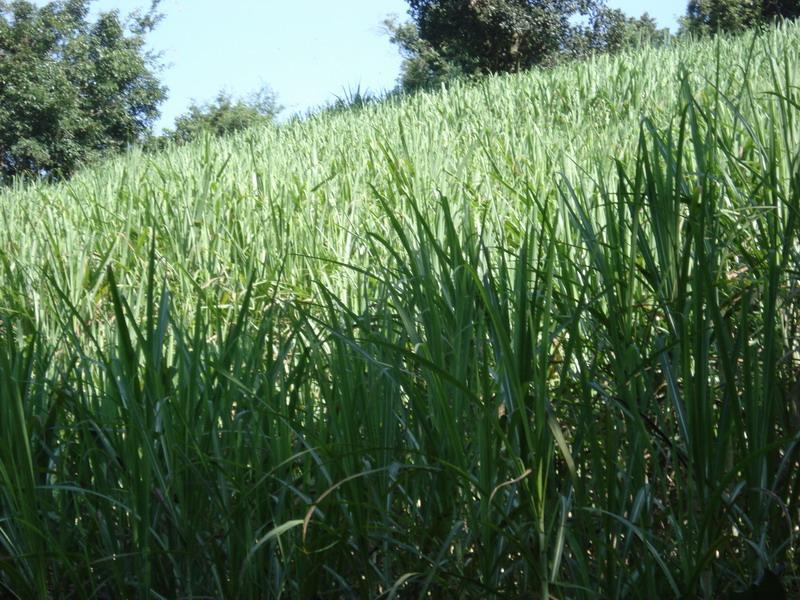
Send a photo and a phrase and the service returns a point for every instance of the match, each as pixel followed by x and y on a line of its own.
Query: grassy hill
pixel 531 337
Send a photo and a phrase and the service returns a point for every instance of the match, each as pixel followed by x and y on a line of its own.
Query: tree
pixel 453 38
pixel 225 115
pixel 496 36
pixel 711 16
pixel 610 31
pixel 71 90
pixel 422 67
pixel 731 16
pixel 780 9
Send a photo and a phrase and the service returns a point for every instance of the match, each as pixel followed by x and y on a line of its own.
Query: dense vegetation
pixel 448 39
pixel 76 88
pixel 72 89
pixel 712 16
pixel 531 337
pixel 224 116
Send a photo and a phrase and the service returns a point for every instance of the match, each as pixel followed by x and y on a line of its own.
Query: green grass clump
pixel 532 337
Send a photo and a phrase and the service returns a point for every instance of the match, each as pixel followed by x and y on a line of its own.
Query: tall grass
pixel 536 337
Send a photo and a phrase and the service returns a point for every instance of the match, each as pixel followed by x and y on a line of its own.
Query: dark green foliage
pixel 773 9
pixel 768 586
pixel 70 89
pixel 711 16
pixel 611 30
pixel 423 67
pixel 225 115
pixel 447 39
pixel 480 36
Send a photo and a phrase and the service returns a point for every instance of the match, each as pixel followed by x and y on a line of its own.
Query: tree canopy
pixel 423 67
pixel 450 38
pixel 71 89
pixel 609 30
pixel 712 16
pixel 226 115
pixel 492 36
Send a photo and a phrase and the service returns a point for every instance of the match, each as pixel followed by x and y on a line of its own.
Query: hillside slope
pixel 310 188
pixel 530 337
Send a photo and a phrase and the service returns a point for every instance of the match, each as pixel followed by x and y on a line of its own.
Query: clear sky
pixel 307 51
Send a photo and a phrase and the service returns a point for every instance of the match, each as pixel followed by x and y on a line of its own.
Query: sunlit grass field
pixel 530 337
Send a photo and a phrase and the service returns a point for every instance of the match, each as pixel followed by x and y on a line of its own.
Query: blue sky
pixel 307 51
